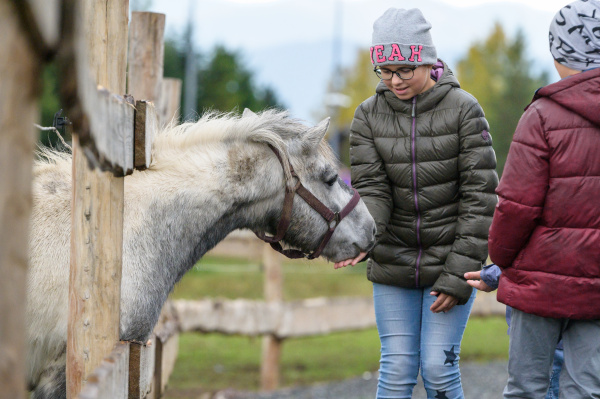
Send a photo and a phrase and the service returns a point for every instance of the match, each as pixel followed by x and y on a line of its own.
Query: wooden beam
pixel 109 379
pixel 20 89
pixel 100 118
pixel 146 55
pixel 97 211
pixel 146 128
pixel 169 108
pixel 271 344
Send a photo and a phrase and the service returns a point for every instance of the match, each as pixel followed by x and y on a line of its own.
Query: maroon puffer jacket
pixel 545 234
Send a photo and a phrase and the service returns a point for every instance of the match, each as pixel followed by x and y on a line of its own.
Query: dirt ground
pixel 480 381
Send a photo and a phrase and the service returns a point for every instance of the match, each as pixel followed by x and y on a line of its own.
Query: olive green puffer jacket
pixel 425 168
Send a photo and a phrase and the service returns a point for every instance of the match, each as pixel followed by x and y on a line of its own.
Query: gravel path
pixel 480 381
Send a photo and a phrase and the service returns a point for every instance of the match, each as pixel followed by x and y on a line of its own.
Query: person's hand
pixel 443 303
pixel 475 281
pixel 352 262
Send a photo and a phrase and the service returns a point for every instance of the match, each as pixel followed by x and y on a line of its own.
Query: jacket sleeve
pixel 522 190
pixel 477 199
pixel 368 171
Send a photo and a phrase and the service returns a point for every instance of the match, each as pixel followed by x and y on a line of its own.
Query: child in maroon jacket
pixel 545 234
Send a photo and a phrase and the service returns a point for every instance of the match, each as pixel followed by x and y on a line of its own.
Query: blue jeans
pixel 414 338
pixel 554 377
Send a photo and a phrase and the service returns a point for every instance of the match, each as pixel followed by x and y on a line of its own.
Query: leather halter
pixel 333 219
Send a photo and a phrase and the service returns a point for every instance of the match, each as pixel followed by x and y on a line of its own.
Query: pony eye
pixel 332 181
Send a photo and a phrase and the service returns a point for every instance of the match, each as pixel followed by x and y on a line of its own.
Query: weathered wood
pixel 109 380
pixel 146 55
pixel 170 349
pixel 141 368
pixel 97 211
pixel 19 88
pixel 169 101
pixel 271 344
pixel 146 127
pixel 315 316
pixel 107 143
pixel 46 14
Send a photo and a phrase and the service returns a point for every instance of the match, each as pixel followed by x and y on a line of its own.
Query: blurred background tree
pixel 496 71
pixel 225 84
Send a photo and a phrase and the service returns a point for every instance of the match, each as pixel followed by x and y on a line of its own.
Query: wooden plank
pixel 146 128
pixel 97 211
pixel 141 368
pixel 170 349
pixel 315 316
pixel 110 379
pixel 146 55
pixel 107 143
pixel 46 14
pixel 169 108
pixel 19 74
pixel 271 344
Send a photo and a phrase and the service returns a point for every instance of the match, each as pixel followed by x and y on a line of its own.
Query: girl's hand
pixel 443 303
pixel 352 262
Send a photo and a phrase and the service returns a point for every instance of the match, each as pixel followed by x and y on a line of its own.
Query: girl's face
pixel 407 89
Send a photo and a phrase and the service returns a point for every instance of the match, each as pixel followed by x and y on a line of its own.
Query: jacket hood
pixel 429 99
pixel 578 93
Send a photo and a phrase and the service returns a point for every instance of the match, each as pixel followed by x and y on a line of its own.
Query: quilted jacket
pixel 425 168
pixel 545 233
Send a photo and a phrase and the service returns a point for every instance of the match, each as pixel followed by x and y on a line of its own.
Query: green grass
pixel 210 362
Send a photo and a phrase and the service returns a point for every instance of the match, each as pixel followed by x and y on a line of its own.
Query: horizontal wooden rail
pixel 307 317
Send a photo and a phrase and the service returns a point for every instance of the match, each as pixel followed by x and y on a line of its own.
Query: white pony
pixel 206 179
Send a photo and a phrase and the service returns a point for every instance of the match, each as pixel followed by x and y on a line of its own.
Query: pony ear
pixel 247 112
pixel 314 135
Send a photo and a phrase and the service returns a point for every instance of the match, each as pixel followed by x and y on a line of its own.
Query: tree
pixel 499 75
pixel 224 83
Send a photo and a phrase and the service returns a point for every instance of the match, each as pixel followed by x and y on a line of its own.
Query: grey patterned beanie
pixel 401 37
pixel 575 35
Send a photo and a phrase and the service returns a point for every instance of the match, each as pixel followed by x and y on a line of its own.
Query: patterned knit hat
pixel 575 35
pixel 401 37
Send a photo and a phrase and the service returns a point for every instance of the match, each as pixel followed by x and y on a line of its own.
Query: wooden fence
pixel 112 135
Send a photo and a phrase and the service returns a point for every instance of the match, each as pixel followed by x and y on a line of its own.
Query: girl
pixel 422 161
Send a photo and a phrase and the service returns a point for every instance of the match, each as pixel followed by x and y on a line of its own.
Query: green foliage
pixel 224 82
pixel 49 105
pixel 497 72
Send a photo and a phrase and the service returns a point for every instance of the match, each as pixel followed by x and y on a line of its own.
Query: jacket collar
pixel 427 100
pixel 578 93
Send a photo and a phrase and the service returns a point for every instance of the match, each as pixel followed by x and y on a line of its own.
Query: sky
pixel 294 46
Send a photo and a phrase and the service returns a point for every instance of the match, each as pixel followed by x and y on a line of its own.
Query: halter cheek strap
pixel 333 219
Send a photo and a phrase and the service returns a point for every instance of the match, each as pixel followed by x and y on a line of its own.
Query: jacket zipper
pixel 414 173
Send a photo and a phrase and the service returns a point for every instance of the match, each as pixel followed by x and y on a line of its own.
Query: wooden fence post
pixel 19 87
pixel 146 56
pixel 271 345
pixel 97 211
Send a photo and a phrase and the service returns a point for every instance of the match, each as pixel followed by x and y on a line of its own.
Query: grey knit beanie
pixel 401 37
pixel 575 35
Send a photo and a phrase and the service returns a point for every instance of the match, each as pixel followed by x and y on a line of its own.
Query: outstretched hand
pixel 475 281
pixel 352 262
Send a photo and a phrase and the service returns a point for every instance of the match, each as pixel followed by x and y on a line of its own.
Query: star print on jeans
pixel 450 356
pixel 441 395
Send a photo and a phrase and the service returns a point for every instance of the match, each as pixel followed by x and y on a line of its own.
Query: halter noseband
pixel 333 219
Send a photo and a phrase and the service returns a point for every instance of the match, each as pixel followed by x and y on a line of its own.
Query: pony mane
pixel 274 127
pixel 270 126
